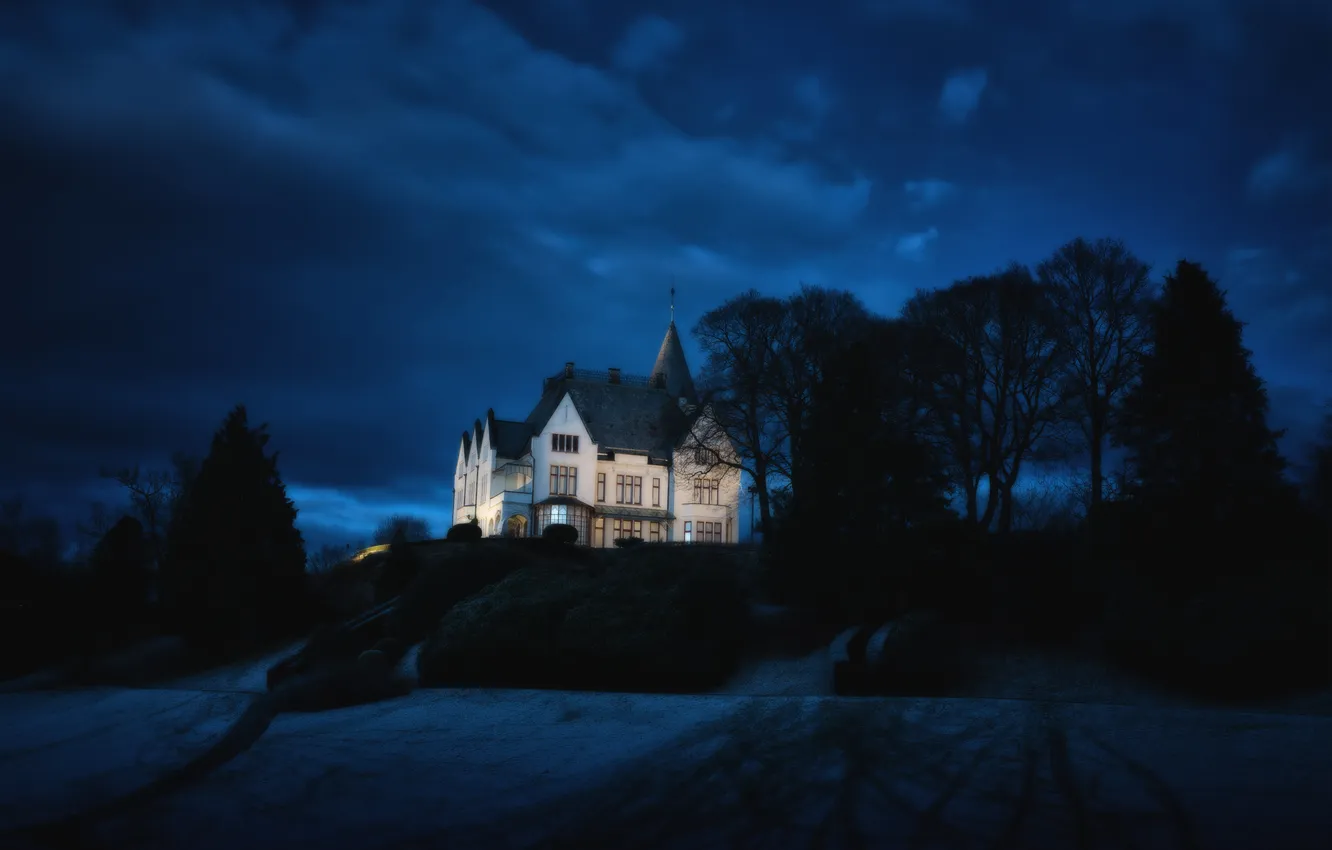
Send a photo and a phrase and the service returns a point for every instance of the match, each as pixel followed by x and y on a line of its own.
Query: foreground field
pixel 479 768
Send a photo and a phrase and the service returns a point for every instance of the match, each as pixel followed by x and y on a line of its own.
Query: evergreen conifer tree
pixel 235 559
pixel 1195 426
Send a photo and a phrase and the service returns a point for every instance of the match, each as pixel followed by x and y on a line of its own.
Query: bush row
pixel 645 625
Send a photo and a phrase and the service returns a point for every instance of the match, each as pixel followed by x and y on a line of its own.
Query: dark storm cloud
pixel 348 216
pixel 370 221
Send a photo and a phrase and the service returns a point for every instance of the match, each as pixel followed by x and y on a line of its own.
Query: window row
pixel 628 489
pixel 564 442
pixel 703 532
pixel 707 492
pixel 563 480
pixel 621 529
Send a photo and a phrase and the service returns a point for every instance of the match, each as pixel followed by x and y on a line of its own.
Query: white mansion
pixel 612 455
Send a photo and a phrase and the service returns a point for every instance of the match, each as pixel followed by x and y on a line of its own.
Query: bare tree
pixel 150 495
pixel 1100 290
pixel 816 321
pixel 413 528
pixel 1029 359
pixel 184 471
pixel 735 427
pixel 948 356
pixel 330 555
pixel 95 526
pixel 991 349
pixel 155 496
pixel 1052 503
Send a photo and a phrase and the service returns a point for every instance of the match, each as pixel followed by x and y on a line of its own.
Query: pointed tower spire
pixel 671 364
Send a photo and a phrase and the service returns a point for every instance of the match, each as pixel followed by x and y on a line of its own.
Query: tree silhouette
pixel 1196 424
pixel 412 529
pixel 866 397
pixel 1318 474
pixel 817 322
pixel 740 341
pixel 1101 292
pixel 119 582
pixel 235 562
pixel 991 350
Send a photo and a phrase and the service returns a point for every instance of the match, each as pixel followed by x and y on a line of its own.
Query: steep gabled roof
pixel 510 438
pixel 617 416
pixel 671 363
pixel 688 419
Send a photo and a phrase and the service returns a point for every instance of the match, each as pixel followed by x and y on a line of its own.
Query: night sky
pixel 370 221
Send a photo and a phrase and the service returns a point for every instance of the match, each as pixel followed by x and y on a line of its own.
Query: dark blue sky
pixel 370 221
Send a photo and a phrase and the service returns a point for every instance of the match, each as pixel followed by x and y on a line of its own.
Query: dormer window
pixel 564 443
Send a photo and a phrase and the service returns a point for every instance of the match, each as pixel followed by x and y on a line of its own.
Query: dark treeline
pixel 886 455
pixel 973 384
pixel 861 432
pixel 207 550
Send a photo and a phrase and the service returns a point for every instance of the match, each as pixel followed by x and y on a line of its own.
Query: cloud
pixel 372 221
pixel 811 95
pixel 912 246
pixel 647 43
pixel 924 194
pixel 1288 171
pixel 961 94
pixel 1237 256
pixel 220 213
pixel 950 11
pixel 812 103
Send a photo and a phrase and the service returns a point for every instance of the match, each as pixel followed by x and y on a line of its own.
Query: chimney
pixel 568 369
pixel 614 375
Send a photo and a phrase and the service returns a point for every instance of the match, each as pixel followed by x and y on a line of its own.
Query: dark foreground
pixel 488 769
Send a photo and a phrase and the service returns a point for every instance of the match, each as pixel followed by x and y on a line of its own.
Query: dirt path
pixel 334 688
pixel 73 831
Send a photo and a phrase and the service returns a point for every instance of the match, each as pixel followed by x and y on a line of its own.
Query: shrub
pixel 443 584
pixel 464 532
pixel 627 542
pixel 506 636
pixel 1245 637
pixel 399 570
pixel 349 588
pixel 644 625
pixel 561 533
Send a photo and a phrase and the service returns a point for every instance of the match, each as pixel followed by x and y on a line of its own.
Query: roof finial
pixel 672 300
